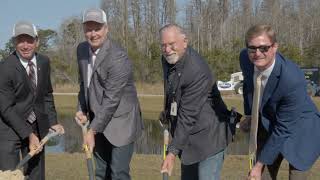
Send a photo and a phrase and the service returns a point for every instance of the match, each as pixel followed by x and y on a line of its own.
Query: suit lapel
pixel 101 55
pixel 19 66
pixel 39 71
pixel 250 79
pixel 22 70
pixel 272 81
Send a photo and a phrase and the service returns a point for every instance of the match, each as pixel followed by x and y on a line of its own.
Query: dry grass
pixel 147 167
pixel 150 105
pixel 142 88
pixel 66 88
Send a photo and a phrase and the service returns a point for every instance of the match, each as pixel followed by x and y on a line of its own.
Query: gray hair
pixel 174 26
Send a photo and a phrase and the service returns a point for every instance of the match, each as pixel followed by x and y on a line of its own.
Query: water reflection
pixel 149 143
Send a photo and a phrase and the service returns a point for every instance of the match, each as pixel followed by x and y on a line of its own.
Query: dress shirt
pixel 24 63
pixel 92 59
pixel 265 77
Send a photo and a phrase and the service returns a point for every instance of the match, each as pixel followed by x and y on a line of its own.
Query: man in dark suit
pixel 289 122
pixel 26 102
pixel 199 136
pixel 108 97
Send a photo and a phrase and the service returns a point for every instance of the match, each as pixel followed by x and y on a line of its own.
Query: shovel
pixel 164 124
pixel 51 134
pixel 88 154
pixel 165 175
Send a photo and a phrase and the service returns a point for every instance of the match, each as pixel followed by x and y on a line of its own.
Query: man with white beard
pixel 194 109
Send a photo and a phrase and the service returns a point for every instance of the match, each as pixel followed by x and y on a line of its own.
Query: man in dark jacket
pixel 199 136
pixel 26 103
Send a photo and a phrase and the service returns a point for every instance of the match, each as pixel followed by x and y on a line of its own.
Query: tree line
pixel 215 28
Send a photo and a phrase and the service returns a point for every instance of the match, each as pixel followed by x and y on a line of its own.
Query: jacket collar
pixel 273 79
pixel 102 53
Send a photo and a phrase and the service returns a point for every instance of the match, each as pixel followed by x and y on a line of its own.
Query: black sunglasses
pixel 262 49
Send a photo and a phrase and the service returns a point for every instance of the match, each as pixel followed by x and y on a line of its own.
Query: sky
pixel 45 14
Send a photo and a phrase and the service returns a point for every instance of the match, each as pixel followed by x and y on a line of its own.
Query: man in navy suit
pixel 289 122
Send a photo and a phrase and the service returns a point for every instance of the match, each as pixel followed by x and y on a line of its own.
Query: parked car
pixel 312 76
pixel 234 84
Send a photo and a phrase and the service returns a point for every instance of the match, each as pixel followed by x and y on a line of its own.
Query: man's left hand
pixel 58 128
pixel 256 171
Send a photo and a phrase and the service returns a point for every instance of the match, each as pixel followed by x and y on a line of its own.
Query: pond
pixel 149 143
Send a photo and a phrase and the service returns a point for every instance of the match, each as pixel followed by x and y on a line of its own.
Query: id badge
pixel 173 110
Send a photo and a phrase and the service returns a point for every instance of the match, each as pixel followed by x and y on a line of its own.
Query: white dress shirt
pixel 265 77
pixel 92 59
pixel 24 63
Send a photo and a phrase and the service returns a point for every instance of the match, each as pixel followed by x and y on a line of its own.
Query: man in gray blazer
pixel 108 98
pixel 197 115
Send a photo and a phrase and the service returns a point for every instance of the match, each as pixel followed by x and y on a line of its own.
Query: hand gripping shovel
pixel 51 134
pixel 88 154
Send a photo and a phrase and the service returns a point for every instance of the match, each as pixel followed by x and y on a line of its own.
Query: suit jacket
pixel 286 112
pixel 111 96
pixel 18 100
pixel 198 132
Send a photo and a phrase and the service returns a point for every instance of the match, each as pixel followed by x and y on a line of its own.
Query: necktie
pixel 32 76
pixel 254 120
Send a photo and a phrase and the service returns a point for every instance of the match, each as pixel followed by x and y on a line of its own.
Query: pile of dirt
pixel 11 175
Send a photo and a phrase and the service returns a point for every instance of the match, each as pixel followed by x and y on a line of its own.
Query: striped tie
pixel 32 76
pixel 32 117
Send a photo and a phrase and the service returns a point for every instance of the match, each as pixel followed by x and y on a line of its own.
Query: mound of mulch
pixel 11 175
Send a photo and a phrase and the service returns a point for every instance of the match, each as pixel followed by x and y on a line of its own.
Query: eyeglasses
pixel 262 49
pixel 170 45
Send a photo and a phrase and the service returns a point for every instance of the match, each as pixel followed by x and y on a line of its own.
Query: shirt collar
pixel 93 53
pixel 266 73
pixel 24 62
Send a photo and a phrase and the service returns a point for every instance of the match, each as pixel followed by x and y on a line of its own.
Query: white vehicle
pixel 235 83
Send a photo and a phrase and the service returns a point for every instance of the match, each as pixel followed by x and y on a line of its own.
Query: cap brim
pixel 29 34
pixel 94 20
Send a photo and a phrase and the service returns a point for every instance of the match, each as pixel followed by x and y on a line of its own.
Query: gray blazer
pixel 111 96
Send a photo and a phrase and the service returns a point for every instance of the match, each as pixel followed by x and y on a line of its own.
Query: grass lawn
pixel 146 167
pixel 151 106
